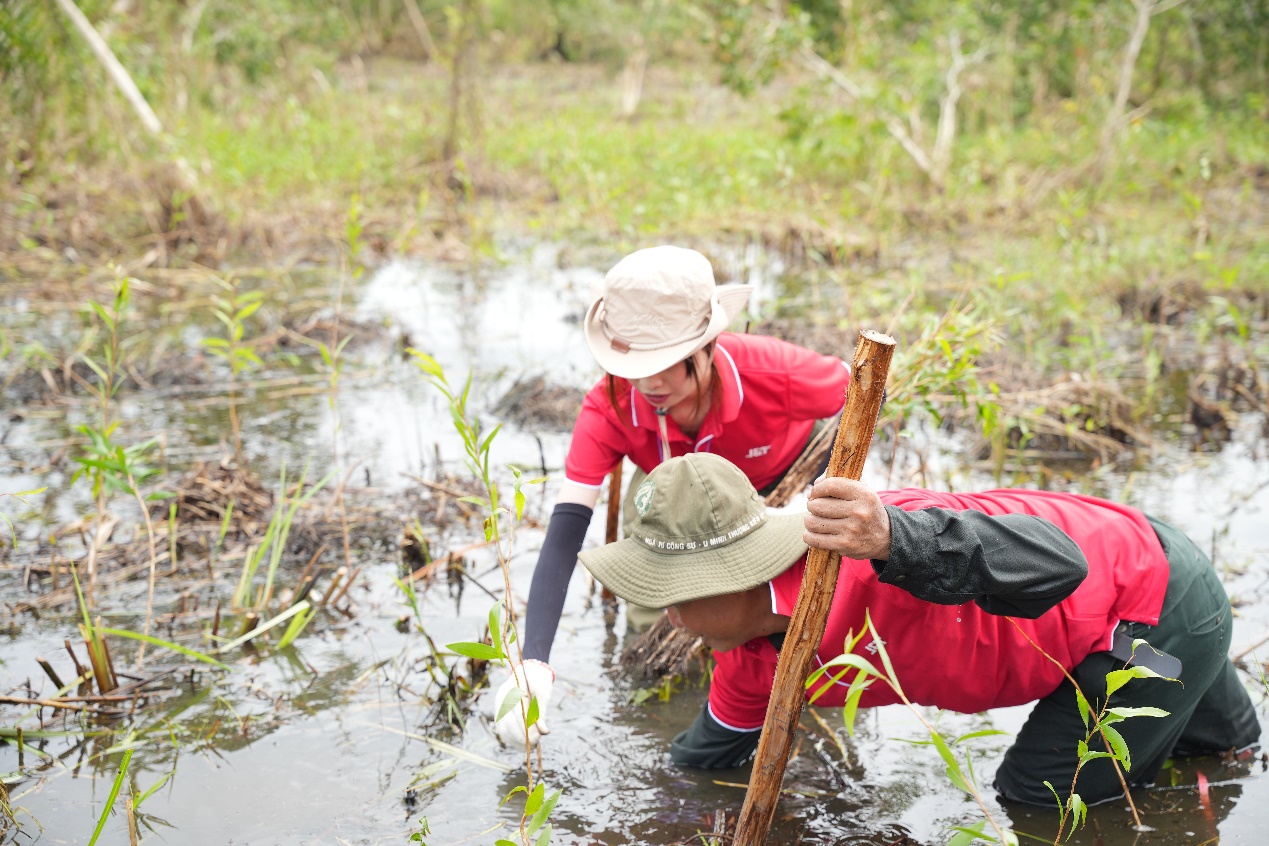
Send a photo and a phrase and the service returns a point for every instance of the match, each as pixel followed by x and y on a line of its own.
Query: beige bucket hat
pixel 701 530
pixel 657 307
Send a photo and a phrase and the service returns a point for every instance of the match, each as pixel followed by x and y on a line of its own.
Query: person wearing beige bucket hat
pixel 657 308
pixel 675 382
pixel 964 588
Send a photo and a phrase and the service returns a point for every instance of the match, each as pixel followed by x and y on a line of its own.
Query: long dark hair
pixel 619 388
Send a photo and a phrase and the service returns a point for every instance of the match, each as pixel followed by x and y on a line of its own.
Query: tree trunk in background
pixel 945 135
pixel 632 79
pixel 1146 9
pixel 1009 74
pixel 1131 52
pixel 421 29
pixel 461 79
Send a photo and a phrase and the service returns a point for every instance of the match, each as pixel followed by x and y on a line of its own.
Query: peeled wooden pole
pixel 806 629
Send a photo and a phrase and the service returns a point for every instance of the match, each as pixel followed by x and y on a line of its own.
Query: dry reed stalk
pixel 334 602
pixel 132 823
pixel 249 621
pixel 720 826
pixel 338 499
pixel 44 703
pixel 105 527
pixel 110 661
pixel 97 657
pixel 308 568
pixel 334 585
pixel 80 670
pixel 51 673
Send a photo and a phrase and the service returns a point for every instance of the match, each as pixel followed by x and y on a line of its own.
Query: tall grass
pixel 273 544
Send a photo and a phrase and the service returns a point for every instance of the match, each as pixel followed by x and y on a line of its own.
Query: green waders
pixel 1210 711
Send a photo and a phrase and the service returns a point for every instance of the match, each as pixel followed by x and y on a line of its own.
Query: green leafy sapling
pixel 232 309
pixel 110 466
pixel 534 828
pixel 424 831
pixel 537 808
pixel 960 775
pixel 1102 723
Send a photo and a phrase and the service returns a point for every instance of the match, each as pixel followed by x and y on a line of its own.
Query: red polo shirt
pixel 768 396
pixel 959 657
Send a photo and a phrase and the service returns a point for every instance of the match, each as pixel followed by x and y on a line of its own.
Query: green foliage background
pixel 288 104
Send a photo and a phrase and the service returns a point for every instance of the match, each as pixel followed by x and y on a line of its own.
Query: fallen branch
pixel 123 81
pixel 118 74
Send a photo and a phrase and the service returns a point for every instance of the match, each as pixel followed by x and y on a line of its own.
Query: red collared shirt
pixel 768 395
pixel 960 657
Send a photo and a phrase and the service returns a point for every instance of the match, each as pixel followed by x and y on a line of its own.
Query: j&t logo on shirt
pixel 758 452
pixel 874 646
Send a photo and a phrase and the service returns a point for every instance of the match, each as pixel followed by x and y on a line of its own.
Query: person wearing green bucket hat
pixel 985 600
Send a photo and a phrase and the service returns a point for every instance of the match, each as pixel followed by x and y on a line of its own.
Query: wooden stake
pixel 610 532
pixel 806 629
pixel 614 505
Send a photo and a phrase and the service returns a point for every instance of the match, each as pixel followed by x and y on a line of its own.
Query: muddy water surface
pixel 338 741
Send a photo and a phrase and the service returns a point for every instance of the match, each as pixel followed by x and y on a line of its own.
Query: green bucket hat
pixel 701 530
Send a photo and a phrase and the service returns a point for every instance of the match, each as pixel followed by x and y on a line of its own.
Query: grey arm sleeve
pixel 1009 564
pixel 709 745
pixel 564 536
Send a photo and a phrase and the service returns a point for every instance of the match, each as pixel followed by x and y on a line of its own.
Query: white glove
pixel 530 678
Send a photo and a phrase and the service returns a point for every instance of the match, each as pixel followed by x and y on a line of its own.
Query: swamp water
pixel 337 740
